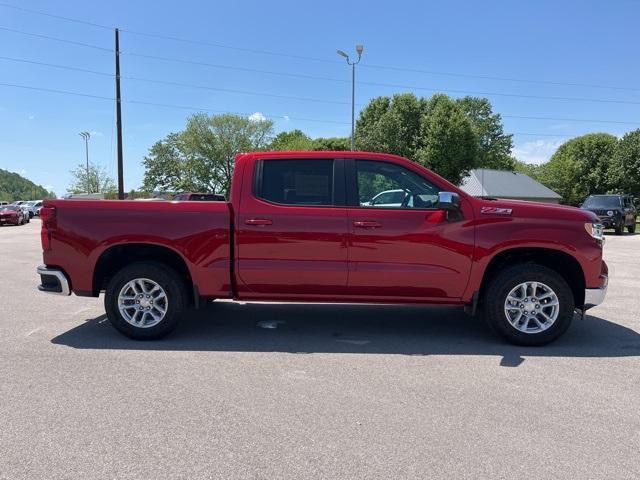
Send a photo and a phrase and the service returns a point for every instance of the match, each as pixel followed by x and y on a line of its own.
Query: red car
pixel 11 215
pixel 301 226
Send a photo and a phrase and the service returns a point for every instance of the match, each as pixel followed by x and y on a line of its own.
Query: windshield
pixel 9 207
pixel 602 201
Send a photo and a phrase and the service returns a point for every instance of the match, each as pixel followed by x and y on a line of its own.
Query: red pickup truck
pixel 302 226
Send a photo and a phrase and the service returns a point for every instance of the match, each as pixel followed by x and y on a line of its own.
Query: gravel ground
pixel 332 392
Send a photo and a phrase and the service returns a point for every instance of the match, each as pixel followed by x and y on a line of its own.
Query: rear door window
pixel 297 182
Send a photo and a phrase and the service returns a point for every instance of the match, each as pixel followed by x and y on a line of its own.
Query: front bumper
pixel 595 296
pixel 53 280
pixel 610 222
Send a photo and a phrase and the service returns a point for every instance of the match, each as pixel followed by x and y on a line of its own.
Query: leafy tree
pixel 202 157
pixel 167 167
pixel 494 146
pixel 93 180
pixel 15 187
pixel 293 140
pixel 531 169
pixel 624 174
pixel 450 145
pixel 580 167
pixel 335 144
pixel 391 125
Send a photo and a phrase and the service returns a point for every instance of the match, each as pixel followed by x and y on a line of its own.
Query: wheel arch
pixel 561 262
pixel 114 258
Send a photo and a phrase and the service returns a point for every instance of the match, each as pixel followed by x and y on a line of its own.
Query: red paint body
pixel 315 253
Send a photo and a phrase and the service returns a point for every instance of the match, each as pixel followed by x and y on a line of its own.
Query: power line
pixel 57 39
pixel 274 95
pixel 505 79
pixel 59 17
pixel 206 109
pixel 52 90
pixel 54 65
pixel 323 60
pixel 339 80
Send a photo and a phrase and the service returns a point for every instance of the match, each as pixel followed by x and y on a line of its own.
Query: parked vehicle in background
pixel 614 211
pixel 3 203
pixel 11 215
pixel 398 199
pixel 37 206
pixel 200 197
pixel 297 228
pixel 30 207
pixel 25 212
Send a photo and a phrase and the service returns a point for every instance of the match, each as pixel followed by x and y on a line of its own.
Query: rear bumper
pixel 595 296
pixel 53 280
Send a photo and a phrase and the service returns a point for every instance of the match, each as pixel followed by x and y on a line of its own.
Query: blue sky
pixel 576 42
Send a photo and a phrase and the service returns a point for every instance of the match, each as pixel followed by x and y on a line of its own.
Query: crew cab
pixel 301 226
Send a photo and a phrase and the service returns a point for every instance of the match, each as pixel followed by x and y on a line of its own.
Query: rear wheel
pixel 528 304
pixel 145 300
pixel 632 228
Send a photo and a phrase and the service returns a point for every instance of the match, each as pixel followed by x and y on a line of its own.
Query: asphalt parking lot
pixel 331 392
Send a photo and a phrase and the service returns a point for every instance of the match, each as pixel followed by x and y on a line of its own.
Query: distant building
pixel 484 182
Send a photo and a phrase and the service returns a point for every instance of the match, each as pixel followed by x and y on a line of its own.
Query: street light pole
pixel 87 136
pixel 359 50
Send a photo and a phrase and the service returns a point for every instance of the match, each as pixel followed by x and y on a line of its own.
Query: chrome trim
pixel 59 275
pixel 595 296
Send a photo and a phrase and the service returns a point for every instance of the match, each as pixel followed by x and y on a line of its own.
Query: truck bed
pixel 84 231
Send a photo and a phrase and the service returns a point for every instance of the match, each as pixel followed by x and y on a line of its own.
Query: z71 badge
pixel 495 211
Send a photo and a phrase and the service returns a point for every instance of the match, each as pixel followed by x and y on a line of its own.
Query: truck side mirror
pixel 449 201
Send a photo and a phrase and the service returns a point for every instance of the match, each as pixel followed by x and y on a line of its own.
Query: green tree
pixel 580 167
pixel 494 146
pixel 624 174
pixel 531 169
pixel 202 157
pixel 293 140
pixel 449 142
pixel 167 167
pixel 93 180
pixel 391 125
pixel 334 144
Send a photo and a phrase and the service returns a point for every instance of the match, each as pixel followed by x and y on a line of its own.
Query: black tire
pixel 495 296
pixel 632 228
pixel 620 229
pixel 165 277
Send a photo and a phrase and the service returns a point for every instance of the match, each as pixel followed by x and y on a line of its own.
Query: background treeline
pixel 450 136
pixel 15 187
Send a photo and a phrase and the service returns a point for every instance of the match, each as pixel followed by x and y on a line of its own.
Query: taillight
pixel 47 216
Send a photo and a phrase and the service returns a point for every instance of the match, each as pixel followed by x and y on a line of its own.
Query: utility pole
pixel 359 50
pixel 87 136
pixel 119 120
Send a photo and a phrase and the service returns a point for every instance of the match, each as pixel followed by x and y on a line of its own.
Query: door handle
pixel 258 222
pixel 366 224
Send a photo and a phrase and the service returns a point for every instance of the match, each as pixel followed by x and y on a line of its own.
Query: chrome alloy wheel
pixel 142 303
pixel 531 307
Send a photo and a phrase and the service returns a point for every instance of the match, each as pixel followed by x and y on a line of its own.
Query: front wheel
pixel 528 304
pixel 620 228
pixel 145 301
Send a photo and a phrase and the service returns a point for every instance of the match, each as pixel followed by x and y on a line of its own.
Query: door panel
pixel 406 251
pixel 297 249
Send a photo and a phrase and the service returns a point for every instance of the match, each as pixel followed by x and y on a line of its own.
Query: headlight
pixel 596 230
pixel 610 213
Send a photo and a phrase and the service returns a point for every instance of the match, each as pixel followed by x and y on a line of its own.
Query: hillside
pixel 16 187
